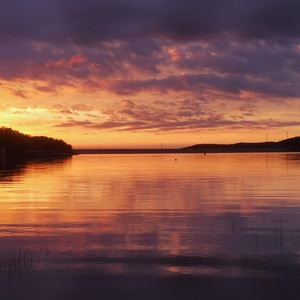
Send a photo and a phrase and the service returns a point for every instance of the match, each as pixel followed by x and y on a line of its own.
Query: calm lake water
pixel 152 226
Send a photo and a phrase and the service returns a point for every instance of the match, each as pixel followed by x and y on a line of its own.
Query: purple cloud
pixel 197 83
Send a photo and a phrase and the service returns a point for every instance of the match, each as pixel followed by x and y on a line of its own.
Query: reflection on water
pixel 220 219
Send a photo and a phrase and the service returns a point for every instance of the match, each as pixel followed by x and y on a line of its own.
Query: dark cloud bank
pixel 93 20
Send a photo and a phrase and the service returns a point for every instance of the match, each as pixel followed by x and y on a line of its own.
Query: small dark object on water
pixel 175 159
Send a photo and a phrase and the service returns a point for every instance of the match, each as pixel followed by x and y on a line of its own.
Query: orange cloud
pixel 74 60
pixel 127 103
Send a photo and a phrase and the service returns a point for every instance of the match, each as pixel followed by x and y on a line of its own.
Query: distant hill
pixel 292 144
pixel 14 144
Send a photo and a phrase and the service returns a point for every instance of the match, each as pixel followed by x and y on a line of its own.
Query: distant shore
pixel 170 151
pixel 288 145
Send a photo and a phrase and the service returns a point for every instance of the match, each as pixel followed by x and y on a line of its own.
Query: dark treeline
pixel 17 144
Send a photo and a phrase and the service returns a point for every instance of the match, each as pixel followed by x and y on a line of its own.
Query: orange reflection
pixel 140 202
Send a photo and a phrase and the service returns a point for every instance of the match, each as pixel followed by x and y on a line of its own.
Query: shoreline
pixel 180 151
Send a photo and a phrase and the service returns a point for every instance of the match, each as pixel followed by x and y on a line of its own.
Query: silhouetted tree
pixel 20 144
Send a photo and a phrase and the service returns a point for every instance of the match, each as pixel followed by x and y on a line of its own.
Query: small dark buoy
pixel 204 153
pixel 175 159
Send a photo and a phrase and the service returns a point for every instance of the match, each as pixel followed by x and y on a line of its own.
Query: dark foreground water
pixel 184 226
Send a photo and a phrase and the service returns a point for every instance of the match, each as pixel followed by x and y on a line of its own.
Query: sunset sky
pixel 137 73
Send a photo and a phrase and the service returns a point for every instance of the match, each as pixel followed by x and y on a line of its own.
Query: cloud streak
pixel 197 124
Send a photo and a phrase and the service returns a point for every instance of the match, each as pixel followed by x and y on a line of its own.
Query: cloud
pixel 106 20
pixel 18 92
pixel 81 107
pixel 127 103
pixel 230 46
pixel 74 109
pixel 212 122
pixel 74 60
pixel 90 20
pixel 102 125
pixel 185 115
pixel 74 123
pixel 197 83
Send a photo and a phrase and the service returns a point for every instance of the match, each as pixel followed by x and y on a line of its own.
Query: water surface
pixel 152 226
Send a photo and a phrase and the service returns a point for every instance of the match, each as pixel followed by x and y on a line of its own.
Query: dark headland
pixel 15 145
pixel 287 145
